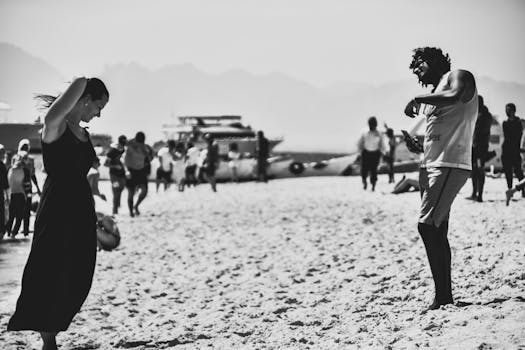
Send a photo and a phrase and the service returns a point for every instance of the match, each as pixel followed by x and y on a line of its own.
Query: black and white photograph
pixel 246 174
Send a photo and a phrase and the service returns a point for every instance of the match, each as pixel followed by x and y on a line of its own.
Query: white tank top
pixel 449 132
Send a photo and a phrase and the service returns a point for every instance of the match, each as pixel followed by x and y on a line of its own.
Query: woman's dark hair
pixel 436 59
pixel 94 88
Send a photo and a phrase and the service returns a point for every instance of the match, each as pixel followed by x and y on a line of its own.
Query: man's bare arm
pixel 461 84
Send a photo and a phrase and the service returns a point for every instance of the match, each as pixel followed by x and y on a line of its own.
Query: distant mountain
pixel 308 117
pixel 21 76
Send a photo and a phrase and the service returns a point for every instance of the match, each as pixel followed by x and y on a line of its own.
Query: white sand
pixel 301 263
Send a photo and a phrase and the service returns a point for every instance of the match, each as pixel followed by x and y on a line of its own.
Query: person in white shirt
pixel 165 169
pixel 370 145
pixel 192 158
pixel 233 161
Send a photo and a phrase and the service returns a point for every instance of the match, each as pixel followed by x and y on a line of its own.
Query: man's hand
pixel 413 145
pixel 412 108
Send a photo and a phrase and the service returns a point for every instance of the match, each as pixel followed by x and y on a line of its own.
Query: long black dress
pixel 59 271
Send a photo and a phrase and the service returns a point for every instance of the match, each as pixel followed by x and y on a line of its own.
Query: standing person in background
pixel 480 150
pixel 93 177
pixel 191 159
pixel 370 145
pixel 233 161
pixel 211 161
pixel 117 172
pixel 4 186
pixel 29 163
pixel 136 162
pixel 165 169
pixel 263 152
pixel 451 110
pixel 510 155
pixel 16 176
pixel 59 270
pixel 390 156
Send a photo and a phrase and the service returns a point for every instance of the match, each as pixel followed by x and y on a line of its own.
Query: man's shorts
pixel 439 187
pixel 137 178
pixel 164 175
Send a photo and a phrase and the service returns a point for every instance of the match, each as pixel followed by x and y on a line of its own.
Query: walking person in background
pixel 390 156
pixel 451 111
pixel 117 172
pixel 263 152
pixel 17 203
pixel 4 186
pixel 370 145
pixel 59 270
pixel 29 164
pixel 480 150
pixel 211 161
pixel 136 162
pixel 165 169
pixel 510 155
pixel 191 159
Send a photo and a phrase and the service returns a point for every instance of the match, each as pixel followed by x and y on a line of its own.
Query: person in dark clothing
pixel 480 150
pixel 510 155
pixel 117 172
pixel 59 270
pixel 370 145
pixel 4 186
pixel 137 162
pixel 390 156
pixel 262 151
pixel 211 162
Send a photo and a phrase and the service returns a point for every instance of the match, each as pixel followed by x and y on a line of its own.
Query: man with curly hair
pixel 451 110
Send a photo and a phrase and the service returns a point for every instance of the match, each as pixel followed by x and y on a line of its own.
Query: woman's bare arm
pixel 55 116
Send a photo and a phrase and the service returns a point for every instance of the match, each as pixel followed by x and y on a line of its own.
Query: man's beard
pixel 431 77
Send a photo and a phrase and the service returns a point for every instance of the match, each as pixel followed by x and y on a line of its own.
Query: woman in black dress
pixel 59 270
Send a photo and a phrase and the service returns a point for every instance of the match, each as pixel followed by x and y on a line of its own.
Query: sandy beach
pixel 309 263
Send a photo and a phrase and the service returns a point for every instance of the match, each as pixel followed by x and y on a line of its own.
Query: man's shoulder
pixel 462 74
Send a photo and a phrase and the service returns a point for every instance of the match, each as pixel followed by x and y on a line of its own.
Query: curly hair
pixel 436 59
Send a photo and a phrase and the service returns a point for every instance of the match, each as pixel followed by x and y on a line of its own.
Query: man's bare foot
pixel 437 304
pixel 136 209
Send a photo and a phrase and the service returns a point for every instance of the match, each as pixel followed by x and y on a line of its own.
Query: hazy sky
pixel 319 41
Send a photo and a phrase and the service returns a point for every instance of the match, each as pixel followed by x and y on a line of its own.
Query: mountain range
pixel 308 117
